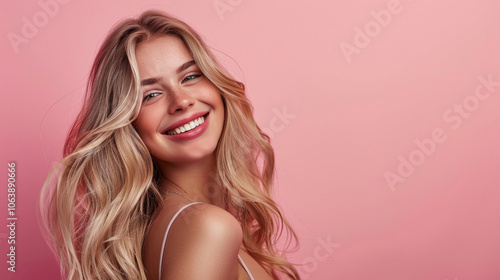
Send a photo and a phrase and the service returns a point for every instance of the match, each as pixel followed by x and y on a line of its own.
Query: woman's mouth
pixel 187 126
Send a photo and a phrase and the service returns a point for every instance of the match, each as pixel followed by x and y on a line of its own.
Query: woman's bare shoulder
pixel 202 242
pixel 206 219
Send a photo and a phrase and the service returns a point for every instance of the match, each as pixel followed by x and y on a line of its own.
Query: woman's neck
pixel 194 180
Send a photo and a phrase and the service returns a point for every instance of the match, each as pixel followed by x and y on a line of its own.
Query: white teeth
pixel 187 127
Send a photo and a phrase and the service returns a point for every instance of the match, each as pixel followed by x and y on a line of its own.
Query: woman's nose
pixel 179 101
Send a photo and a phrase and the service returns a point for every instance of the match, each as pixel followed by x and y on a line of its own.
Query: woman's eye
pixel 151 95
pixel 190 77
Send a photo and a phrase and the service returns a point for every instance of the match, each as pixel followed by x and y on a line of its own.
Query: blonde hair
pixel 106 189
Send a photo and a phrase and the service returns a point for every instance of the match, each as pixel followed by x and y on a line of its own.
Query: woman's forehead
pixel 162 54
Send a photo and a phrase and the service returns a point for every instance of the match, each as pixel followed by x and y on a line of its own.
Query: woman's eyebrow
pixel 185 66
pixel 181 68
pixel 150 81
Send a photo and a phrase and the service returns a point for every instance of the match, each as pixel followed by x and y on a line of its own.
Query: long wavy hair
pixel 99 200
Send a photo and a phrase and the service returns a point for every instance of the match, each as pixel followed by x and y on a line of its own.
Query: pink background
pixel 340 121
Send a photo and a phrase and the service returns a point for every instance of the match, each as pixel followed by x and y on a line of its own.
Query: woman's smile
pixel 189 128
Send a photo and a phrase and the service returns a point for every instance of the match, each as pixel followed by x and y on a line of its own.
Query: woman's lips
pixel 187 126
pixel 184 121
pixel 193 127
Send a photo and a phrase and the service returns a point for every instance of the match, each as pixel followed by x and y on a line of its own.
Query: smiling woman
pixel 160 178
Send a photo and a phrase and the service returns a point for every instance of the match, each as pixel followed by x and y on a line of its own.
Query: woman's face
pixel 182 112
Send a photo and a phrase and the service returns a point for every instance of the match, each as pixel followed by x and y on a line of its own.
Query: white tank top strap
pixel 166 233
pixel 245 268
